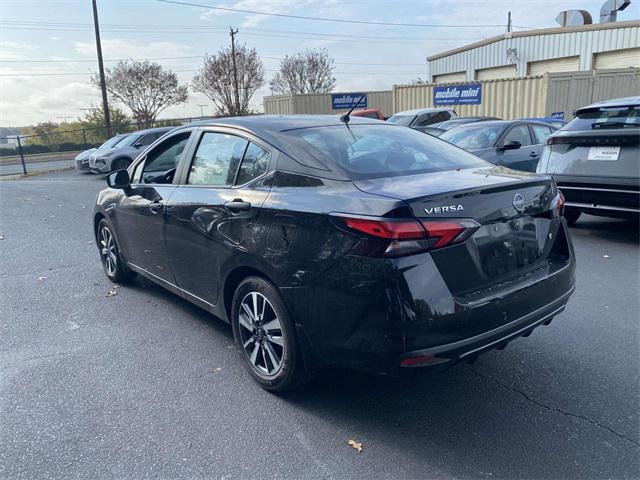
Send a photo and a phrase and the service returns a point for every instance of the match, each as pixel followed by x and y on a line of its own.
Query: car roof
pixel 270 127
pixel 613 102
pixel 418 111
pixel 154 130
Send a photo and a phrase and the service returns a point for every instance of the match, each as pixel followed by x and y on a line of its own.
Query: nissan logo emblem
pixel 518 202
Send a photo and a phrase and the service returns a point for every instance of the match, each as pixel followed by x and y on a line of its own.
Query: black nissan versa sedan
pixel 329 242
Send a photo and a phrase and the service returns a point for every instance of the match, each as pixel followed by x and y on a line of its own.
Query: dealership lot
pixel 142 384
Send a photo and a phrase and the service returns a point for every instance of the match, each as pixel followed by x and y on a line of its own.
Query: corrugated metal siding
pixel 567 92
pixel 278 105
pixel 616 83
pixel 320 103
pixel 539 47
pixel 506 98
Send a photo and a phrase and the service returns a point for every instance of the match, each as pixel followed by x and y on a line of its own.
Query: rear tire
pixel 571 215
pixel 112 262
pixel 120 164
pixel 265 335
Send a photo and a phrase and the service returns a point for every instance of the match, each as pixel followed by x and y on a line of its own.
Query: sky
pixel 47 48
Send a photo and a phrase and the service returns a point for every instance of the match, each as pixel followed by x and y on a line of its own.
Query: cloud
pixel 121 48
pixel 253 20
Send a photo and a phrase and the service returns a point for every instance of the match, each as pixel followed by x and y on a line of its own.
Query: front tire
pixel 112 262
pixel 265 335
pixel 572 215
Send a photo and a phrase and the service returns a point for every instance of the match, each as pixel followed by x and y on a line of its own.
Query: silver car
pixel 124 152
pixel 82 159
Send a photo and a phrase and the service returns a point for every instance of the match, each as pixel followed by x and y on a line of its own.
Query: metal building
pixel 535 52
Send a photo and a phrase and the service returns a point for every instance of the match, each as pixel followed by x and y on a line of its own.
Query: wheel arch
pixel 233 279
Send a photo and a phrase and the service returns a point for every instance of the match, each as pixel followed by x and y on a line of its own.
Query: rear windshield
pixel 609 117
pixel 401 119
pixel 371 151
pixel 473 137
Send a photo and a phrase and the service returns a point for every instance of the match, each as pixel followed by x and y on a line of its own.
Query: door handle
pixel 237 205
pixel 156 207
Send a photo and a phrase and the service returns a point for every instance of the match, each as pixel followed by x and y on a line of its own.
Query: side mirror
pixel 511 146
pixel 119 179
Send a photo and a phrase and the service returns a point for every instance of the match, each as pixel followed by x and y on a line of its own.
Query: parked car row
pixel 118 152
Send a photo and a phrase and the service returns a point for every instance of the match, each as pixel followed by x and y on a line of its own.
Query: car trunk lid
pixel 517 231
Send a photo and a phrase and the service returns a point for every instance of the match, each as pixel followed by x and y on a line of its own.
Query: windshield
pixel 609 117
pixel 401 119
pixel 371 151
pixel 112 142
pixel 129 140
pixel 473 136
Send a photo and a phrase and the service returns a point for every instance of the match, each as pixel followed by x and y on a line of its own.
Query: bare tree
pixel 310 71
pixel 145 87
pixel 215 79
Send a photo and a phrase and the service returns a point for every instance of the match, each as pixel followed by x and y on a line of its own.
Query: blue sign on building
pixel 469 94
pixel 340 101
pixel 558 115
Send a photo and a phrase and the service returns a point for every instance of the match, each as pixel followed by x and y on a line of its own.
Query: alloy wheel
pixel 261 334
pixel 108 251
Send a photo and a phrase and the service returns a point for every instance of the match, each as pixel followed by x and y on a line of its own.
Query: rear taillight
pixel 394 238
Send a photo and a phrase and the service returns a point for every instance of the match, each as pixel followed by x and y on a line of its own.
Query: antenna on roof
pixel 345 118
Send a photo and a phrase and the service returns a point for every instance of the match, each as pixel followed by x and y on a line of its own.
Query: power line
pixel 81 74
pixel 325 19
pixel 267 57
pixel 266 33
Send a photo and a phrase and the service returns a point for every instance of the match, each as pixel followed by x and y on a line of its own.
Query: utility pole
pixel 233 33
pixel 103 86
pixel 201 109
pixel 509 23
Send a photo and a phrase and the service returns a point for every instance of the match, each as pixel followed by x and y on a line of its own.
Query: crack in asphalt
pixel 550 408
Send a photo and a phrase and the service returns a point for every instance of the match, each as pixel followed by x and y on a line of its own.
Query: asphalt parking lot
pixel 144 385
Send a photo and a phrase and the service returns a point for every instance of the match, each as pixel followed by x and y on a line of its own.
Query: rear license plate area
pixel 507 247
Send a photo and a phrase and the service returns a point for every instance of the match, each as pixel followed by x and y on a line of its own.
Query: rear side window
pixel 520 134
pixel 254 164
pixel 606 117
pixel 217 159
pixel 371 151
pixel 540 133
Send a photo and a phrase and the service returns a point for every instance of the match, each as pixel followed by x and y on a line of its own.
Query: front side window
pixel 371 151
pixel 540 133
pixel 520 134
pixel 217 159
pixel 163 159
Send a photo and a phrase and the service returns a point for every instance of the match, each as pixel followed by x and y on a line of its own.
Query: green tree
pixel 93 123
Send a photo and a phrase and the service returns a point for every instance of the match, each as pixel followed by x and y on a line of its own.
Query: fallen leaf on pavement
pixel 113 292
pixel 217 369
pixel 1 237
pixel 41 278
pixel 605 256
pixel 355 445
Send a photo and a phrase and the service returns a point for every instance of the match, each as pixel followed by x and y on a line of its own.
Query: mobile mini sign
pixel 469 94
pixel 341 101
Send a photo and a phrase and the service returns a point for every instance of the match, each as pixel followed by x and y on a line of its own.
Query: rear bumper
pixel 372 315
pixel 444 356
pixel 616 197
